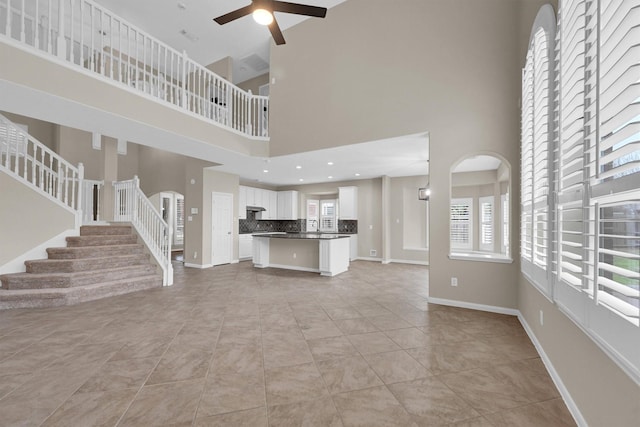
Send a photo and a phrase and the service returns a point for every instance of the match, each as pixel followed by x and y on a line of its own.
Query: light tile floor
pixel 237 346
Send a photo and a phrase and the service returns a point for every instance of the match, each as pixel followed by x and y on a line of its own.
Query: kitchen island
pixel 327 254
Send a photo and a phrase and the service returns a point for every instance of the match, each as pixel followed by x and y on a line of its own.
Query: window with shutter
pixel 526 179
pixel 596 158
pixel 535 145
pixel 570 162
pixel 328 215
pixel 614 208
pixel 461 225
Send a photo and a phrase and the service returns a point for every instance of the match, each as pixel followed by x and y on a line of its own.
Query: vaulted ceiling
pixel 188 25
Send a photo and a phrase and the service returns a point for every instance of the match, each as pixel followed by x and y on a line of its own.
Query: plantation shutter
pixel 461 214
pixel 486 223
pixel 570 162
pixel 540 149
pixel 614 267
pixel 526 167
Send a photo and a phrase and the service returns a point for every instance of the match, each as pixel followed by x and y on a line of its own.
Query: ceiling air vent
pixel 189 35
pixel 255 62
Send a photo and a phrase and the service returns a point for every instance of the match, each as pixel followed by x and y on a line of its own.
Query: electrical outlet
pixel 294 255
pixel 195 255
pixel 373 252
pixel 454 281
pixel 541 318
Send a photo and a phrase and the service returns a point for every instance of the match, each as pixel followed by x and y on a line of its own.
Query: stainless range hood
pixel 255 209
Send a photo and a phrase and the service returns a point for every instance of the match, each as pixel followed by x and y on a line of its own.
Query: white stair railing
pixel 131 205
pixel 85 35
pixel 33 163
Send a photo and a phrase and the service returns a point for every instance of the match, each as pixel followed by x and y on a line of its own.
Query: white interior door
pixel 222 228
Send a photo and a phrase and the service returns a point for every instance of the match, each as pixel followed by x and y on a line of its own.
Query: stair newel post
pixel 134 194
pixel 79 191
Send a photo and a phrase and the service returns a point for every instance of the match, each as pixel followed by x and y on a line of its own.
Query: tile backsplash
pixel 253 225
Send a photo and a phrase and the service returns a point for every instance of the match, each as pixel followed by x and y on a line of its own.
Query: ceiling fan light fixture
pixel 262 16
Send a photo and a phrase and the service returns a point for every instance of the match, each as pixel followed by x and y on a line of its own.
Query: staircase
pixel 104 261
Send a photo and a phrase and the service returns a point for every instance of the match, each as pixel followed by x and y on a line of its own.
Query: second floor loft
pixel 86 37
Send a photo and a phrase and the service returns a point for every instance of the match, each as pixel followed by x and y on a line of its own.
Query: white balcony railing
pixel 84 34
pixel 33 163
pixel 131 205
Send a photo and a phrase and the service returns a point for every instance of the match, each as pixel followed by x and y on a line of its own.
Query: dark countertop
pixel 303 236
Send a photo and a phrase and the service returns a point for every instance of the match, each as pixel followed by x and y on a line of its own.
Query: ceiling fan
pixel 263 10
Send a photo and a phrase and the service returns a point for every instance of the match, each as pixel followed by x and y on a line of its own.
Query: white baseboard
pixel 16 265
pixel 571 405
pixel 408 261
pixel 200 266
pixel 474 306
pixel 367 258
pixel 566 396
pixel 235 261
pixel 296 268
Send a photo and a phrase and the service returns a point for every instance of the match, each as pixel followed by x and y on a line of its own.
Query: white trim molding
pixel 474 306
pixel 200 266
pixel 555 377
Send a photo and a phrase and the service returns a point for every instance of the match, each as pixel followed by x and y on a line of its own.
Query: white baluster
pixel 62 51
pixel 72 34
pixel 22 20
pixel 82 33
pixel 49 29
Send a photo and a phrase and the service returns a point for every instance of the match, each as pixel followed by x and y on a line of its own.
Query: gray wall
pixel 27 219
pixel 456 76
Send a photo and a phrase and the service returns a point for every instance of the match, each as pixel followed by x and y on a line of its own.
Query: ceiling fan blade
pixel 276 33
pixel 299 9
pixel 232 16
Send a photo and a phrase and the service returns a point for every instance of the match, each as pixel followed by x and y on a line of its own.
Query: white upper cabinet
pixel 242 202
pixel 273 205
pixel 251 196
pixel 287 205
pixel 348 199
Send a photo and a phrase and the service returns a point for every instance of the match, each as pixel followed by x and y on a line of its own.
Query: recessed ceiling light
pixel 266 171
pixel 298 167
pixel 330 177
pixel 357 174
pixel 301 180
pixel 330 163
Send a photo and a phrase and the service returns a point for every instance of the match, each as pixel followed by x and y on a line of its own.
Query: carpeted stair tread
pixel 104 261
pixel 94 251
pixel 101 240
pixel 32 298
pixel 105 230
pixel 19 281
pixel 84 264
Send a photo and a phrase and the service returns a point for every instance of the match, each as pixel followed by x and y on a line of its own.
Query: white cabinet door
pixel 348 202
pixel 245 246
pixel 273 205
pixel 242 202
pixel 287 205
pixel 251 196
pixel 258 197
